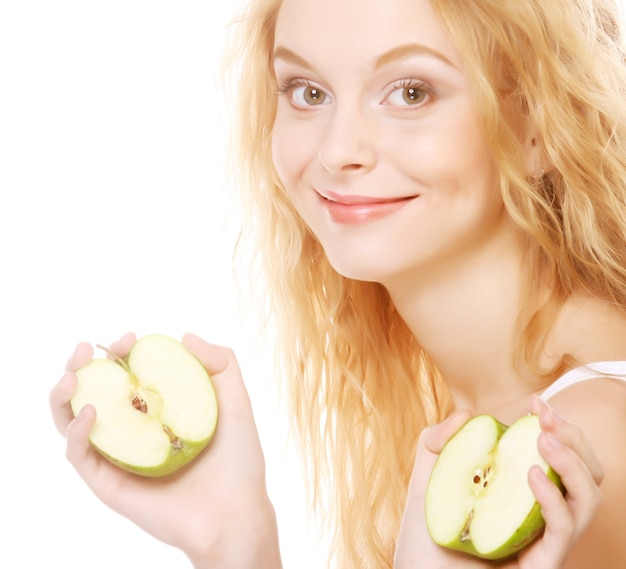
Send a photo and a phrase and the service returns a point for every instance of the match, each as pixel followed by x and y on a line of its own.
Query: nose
pixel 348 143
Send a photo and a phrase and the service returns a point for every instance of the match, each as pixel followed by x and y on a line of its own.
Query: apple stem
pixel 176 442
pixel 114 356
pixel 465 533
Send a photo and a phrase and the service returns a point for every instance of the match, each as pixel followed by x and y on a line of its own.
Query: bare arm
pixel 216 510
pixel 599 408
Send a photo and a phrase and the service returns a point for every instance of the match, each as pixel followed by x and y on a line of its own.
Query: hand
pixel 216 509
pixel 566 450
pixel 415 548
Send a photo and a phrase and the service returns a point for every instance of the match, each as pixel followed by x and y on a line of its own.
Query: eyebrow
pixel 394 54
pixel 291 57
pixel 407 50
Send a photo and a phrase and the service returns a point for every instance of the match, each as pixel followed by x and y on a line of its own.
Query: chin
pixel 359 269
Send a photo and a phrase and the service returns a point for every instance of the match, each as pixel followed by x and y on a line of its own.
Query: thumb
pixel 430 444
pixel 437 436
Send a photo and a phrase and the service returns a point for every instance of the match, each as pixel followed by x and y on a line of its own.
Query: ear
pixel 535 159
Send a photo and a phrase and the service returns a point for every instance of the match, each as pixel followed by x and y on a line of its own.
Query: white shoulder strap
pixel 616 369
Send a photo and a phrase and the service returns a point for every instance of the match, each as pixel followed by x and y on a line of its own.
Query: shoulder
pixel 593 403
pixel 615 369
pixel 598 408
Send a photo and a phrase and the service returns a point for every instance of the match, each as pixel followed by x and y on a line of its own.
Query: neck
pixel 465 318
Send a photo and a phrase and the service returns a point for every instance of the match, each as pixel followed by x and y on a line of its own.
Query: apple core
pixel 478 499
pixel 156 410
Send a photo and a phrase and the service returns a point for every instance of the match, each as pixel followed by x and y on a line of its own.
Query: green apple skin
pixel 529 529
pixel 114 405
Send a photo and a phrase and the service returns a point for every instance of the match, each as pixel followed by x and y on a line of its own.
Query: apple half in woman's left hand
pixel 156 410
pixel 478 499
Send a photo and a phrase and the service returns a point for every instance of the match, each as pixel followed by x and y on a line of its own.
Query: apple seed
pixel 481 477
pixel 140 405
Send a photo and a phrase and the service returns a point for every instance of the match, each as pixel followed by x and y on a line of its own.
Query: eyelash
pixel 287 88
pixel 415 84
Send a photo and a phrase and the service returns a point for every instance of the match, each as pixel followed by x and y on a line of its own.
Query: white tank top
pixel 616 370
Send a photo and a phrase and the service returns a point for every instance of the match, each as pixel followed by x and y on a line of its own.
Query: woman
pixel 437 190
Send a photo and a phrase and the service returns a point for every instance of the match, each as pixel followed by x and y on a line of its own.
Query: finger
pixel 569 434
pixel 122 346
pixel 429 446
pixel 81 356
pixel 97 472
pixel 59 398
pixel 216 359
pixel 79 452
pixel 436 437
pixel 223 368
pixel 583 493
pixel 560 525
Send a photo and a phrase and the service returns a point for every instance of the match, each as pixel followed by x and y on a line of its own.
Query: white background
pixel 113 217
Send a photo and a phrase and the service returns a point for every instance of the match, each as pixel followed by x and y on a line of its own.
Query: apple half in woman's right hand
pixel 478 499
pixel 156 410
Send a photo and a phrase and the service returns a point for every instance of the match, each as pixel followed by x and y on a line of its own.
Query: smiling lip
pixel 352 210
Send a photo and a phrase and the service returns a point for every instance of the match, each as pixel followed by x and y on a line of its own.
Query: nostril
pixel 335 164
pixel 343 150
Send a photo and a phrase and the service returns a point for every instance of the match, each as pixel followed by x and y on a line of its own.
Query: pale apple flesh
pixel 156 411
pixel 478 499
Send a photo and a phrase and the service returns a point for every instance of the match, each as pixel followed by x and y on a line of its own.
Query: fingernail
pixel 554 442
pixel 542 402
pixel 553 417
pixel 556 417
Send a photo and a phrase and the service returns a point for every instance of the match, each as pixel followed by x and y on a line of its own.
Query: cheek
pixel 447 143
pixel 291 152
pixel 291 158
pixel 280 155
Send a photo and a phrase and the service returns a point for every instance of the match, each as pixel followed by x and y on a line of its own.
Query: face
pixel 376 139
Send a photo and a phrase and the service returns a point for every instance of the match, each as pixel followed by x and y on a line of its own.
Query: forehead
pixel 329 29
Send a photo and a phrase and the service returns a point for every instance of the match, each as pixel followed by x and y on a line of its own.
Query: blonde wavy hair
pixel 359 386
